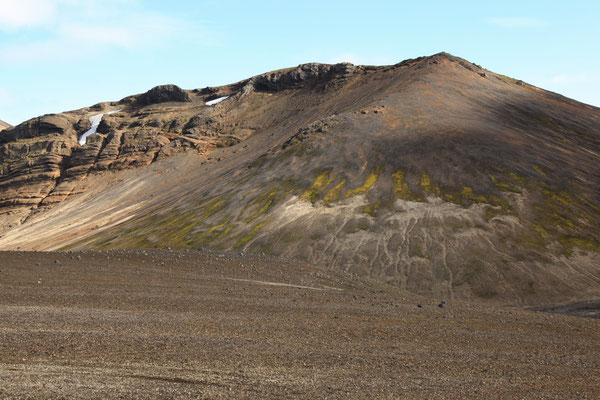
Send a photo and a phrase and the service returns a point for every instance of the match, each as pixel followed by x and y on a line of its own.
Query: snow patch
pixel 216 101
pixel 95 121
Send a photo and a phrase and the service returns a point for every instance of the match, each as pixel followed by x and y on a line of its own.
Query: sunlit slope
pixel 434 175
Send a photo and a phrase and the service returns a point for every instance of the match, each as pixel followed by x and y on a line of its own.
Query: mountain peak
pixel 434 174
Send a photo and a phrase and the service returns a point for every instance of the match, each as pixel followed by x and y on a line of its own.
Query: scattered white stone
pixel 216 101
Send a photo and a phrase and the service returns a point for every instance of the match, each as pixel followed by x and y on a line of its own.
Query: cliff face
pixel 433 174
pixel 42 163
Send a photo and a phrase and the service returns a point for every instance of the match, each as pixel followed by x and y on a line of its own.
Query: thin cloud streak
pixel 6 97
pixel 83 32
pixel 567 79
pixel 517 22
pixel 17 14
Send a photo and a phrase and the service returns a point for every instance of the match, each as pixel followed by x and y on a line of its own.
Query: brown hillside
pixel 4 125
pixel 434 175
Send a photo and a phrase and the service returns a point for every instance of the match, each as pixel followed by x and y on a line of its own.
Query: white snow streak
pixel 216 101
pixel 95 121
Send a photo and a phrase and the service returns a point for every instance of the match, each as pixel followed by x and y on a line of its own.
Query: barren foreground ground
pixel 145 324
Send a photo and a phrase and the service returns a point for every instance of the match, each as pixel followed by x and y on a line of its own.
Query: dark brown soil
pixel 162 324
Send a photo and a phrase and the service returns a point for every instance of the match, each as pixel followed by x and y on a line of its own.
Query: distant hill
pixel 4 125
pixel 434 174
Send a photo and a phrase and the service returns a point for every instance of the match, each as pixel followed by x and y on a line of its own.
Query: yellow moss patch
pixel 492 213
pixel 266 200
pixel 465 197
pixel 504 186
pixel 562 196
pixel 517 178
pixel 216 232
pixel 321 182
pixel 584 243
pixel 260 212
pixel 251 235
pixel 428 187
pixel 499 201
pixel 539 170
pixel 371 209
pixel 333 193
pixel 565 218
pixel 467 193
pixel 401 189
pixel 224 233
pixel 509 79
pixel 586 201
pixel 370 180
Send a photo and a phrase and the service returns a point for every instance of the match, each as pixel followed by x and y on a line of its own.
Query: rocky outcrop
pixel 163 94
pixel 288 78
pixel 42 163
pixel 42 126
pixel 32 160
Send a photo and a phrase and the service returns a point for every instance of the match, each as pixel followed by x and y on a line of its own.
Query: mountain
pixel 4 125
pixel 435 175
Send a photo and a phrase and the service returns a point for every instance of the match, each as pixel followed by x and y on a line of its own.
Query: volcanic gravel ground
pixel 167 324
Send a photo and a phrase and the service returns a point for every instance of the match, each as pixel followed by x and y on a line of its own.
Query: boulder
pixel 163 94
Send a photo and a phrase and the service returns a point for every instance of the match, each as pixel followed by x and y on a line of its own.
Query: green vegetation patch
pixel 371 209
pixel 539 170
pixel 465 197
pixel 370 181
pixel 428 187
pixel 503 185
pixel 401 189
pixel 173 228
pixel 250 235
pixel 564 218
pixel 264 201
pixel 313 194
pixel 334 193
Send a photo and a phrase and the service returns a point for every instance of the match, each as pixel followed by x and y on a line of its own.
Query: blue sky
pixel 58 55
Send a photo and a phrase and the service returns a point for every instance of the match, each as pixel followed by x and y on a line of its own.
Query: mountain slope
pixel 434 175
pixel 4 125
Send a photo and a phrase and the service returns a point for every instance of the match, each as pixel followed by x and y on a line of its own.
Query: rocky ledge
pixel 292 77
pixel 42 162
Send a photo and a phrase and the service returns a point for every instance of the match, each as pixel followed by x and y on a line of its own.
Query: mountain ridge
pixel 433 174
pixel 4 125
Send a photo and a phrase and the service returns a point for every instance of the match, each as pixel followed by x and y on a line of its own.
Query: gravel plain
pixel 201 324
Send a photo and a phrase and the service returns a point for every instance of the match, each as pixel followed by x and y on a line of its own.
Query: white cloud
pixel 6 97
pixel 40 50
pixel 567 79
pixel 85 28
pixel 517 22
pixel 17 14
pixel 98 34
